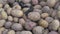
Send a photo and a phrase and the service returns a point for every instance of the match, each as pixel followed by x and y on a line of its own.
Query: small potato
pixel 35 16
pixel 15 19
pixel 43 23
pixel 54 13
pixel 44 15
pixel 11 32
pixel 37 10
pixel 57 5
pixel 49 19
pixel 22 21
pixel 46 9
pixel 8 24
pixel 2 22
pixel 6 6
pixel 38 30
pixel 10 18
pixel 3 14
pixel 54 25
pixel 37 7
pixel 51 3
pixel 9 11
pixel 43 3
pixel 29 25
pixel 17 27
pixel 17 13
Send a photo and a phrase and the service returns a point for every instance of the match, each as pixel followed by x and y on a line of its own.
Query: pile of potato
pixel 29 16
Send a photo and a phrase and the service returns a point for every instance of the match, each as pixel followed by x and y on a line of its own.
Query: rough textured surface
pixel 51 3
pixel 54 25
pixel 38 30
pixel 29 16
pixel 45 9
pixel 15 19
pixel 34 16
pixel 37 10
pixel 3 14
pixel 17 26
pixel 49 19
pixel 42 3
pixel 22 21
pixel 8 24
pixel 37 7
pixel 6 6
pixel 43 23
pixel 17 13
pixel 30 25
pixel 44 15
pixel 10 18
